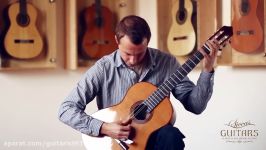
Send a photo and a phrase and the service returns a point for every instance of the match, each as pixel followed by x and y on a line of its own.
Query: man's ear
pixel 116 40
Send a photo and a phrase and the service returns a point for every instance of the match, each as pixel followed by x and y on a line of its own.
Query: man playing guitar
pixel 110 79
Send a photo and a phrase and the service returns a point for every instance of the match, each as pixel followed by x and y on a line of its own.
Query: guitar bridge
pixel 23 41
pixel 245 32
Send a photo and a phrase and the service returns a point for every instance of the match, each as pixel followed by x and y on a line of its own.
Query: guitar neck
pixel 23 7
pixel 181 5
pixel 98 13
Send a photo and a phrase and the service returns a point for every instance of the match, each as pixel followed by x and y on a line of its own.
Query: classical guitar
pixel 98 39
pixel 148 106
pixel 181 39
pixel 248 33
pixel 22 39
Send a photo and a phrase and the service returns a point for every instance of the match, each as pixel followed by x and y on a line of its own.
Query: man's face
pixel 132 54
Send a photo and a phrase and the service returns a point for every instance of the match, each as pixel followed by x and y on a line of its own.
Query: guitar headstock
pixel 223 34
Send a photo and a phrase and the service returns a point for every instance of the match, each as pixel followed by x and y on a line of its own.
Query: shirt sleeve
pixel 71 111
pixel 195 97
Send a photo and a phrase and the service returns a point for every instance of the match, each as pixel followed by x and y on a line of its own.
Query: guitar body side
pixel 160 116
pixel 98 41
pixel 246 43
pixel 16 32
pixel 181 47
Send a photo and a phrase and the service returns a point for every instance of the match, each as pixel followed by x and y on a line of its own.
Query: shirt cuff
pixel 95 127
pixel 207 76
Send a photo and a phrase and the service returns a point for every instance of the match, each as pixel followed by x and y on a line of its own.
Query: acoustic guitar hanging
pixel 23 40
pixel 248 33
pixel 149 107
pixel 181 39
pixel 99 38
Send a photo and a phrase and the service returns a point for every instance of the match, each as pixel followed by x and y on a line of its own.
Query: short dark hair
pixel 135 27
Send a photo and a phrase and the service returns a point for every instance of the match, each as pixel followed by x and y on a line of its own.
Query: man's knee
pixel 171 132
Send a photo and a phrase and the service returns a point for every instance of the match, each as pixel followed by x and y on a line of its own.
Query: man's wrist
pixel 209 70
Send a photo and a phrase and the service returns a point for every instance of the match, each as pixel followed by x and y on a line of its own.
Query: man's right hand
pixel 117 130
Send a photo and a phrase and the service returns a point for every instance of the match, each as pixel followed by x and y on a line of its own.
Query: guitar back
pixel 181 39
pixel 247 31
pixel 159 117
pixel 23 42
pixel 99 38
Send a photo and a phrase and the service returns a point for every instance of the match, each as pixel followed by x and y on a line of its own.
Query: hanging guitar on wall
pixel 248 33
pixel 22 39
pixel 181 39
pixel 99 38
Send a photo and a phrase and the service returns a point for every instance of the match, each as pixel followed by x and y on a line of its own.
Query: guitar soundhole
pixel 181 16
pixel 140 112
pixel 23 19
pixel 98 22
pixel 244 7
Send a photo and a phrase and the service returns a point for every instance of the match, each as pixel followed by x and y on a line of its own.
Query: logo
pixel 236 131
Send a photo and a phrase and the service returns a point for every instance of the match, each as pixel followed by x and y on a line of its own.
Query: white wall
pixel 30 100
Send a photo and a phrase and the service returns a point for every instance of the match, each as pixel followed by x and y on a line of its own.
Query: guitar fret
pixel 149 106
pixel 177 77
pixel 173 80
pixel 197 57
pixel 165 93
pixel 151 102
pixel 188 66
pixel 164 88
pixel 170 83
pixel 147 103
pixel 180 73
pixel 154 100
pixel 185 70
pixel 193 62
pixel 162 96
pixel 167 86
pixel 153 97
pixel 209 50
pixel 156 95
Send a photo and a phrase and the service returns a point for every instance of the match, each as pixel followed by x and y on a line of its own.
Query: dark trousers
pixel 166 138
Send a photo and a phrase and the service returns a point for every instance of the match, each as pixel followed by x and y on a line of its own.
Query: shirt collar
pixel 118 60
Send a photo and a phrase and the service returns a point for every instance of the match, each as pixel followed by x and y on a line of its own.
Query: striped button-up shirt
pixel 109 79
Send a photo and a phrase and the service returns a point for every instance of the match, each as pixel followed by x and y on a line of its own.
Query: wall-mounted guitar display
pixel 248 32
pixel 23 39
pixel 98 39
pixel 181 39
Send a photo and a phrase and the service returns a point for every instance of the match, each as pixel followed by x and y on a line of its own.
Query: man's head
pixel 132 36
pixel 136 28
